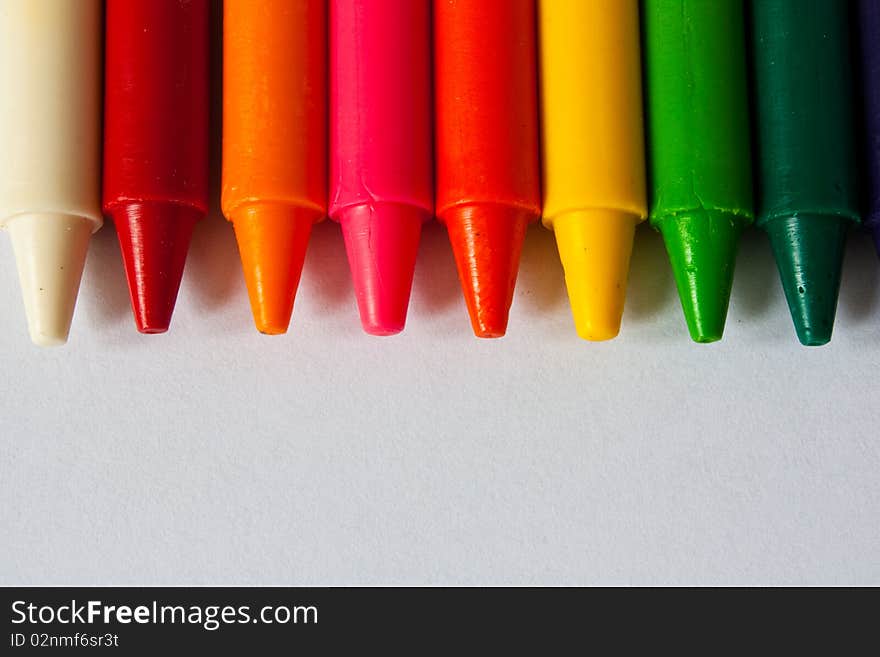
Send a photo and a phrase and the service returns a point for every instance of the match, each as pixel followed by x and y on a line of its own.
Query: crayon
pixel 486 136
pixel 806 155
pixel 869 24
pixel 699 160
pixel 155 144
pixel 381 148
pixel 593 151
pixel 274 184
pixel 50 128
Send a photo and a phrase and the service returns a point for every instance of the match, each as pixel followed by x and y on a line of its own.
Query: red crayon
pixel 488 188
pixel 155 143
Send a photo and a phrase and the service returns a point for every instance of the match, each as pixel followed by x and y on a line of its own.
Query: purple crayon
pixel 869 22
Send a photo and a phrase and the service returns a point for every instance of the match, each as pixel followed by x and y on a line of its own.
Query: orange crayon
pixel 274 143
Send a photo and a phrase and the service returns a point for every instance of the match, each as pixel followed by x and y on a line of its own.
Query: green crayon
pixel 806 151
pixel 698 148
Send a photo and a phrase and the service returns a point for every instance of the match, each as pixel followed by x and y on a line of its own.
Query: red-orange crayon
pixel 488 188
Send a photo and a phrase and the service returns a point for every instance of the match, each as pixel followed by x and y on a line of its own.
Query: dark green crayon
pixel 806 151
pixel 700 177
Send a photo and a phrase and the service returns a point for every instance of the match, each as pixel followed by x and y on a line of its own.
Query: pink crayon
pixel 381 177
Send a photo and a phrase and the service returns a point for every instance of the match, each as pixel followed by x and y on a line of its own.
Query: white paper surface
pixel 213 454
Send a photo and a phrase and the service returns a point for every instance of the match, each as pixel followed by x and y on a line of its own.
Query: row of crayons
pixel 418 109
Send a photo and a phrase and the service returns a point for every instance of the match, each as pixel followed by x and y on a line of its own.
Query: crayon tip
pixel 154 239
pixel 702 250
pixel 809 255
pixel 382 241
pixel 50 252
pixel 487 241
pixel 595 247
pixel 272 240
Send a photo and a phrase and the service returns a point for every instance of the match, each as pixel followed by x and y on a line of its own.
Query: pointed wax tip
pixel 702 249
pixel 595 247
pixel 50 253
pixel 382 242
pixel 272 241
pixel 154 239
pixel 809 252
pixel 487 242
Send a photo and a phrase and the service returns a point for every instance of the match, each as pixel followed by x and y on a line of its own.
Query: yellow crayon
pixel 593 151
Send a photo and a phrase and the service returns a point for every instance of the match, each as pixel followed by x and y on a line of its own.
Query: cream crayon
pixel 50 129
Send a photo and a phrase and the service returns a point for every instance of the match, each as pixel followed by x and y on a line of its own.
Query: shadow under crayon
pixel 651 288
pixel 435 284
pixel 860 283
pixel 213 269
pixel 104 290
pixel 756 286
pixel 326 275
pixel 541 280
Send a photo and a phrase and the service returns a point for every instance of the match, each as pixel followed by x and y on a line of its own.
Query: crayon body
pixel 155 144
pixel 274 144
pixel 381 179
pixel 593 151
pixel 698 148
pixel 807 191
pixel 50 128
pixel 869 24
pixel 486 136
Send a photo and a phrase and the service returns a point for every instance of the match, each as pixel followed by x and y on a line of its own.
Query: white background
pixel 215 455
